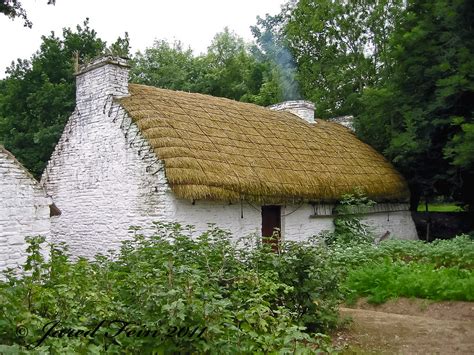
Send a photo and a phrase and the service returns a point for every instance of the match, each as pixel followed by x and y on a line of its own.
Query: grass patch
pixel 442 270
pixel 382 281
pixel 440 207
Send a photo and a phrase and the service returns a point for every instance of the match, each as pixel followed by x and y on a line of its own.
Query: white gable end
pixel 24 210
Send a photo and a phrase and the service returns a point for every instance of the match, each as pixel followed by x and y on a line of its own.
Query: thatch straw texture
pixel 220 149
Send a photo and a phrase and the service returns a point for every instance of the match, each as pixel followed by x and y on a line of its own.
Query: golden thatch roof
pixel 220 149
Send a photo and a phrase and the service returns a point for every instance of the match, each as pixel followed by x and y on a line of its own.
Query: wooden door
pixel 271 225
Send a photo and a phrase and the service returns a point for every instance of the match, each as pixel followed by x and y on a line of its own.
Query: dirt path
pixel 408 327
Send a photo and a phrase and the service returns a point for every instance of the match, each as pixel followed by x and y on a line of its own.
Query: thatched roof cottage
pixel 24 210
pixel 131 154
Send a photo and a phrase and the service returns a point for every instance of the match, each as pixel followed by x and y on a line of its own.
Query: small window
pixel 271 225
pixel 53 210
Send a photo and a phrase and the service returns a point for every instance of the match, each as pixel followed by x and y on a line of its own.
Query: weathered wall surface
pixel 398 222
pixel 24 210
pixel 302 222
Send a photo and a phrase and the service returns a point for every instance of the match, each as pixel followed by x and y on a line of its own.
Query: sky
pixel 194 22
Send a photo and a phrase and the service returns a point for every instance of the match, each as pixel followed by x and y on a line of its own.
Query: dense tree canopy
pixel 230 68
pixel 421 113
pixel 336 48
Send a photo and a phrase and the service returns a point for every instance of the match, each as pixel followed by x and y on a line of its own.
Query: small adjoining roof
pixel 54 211
pixel 220 149
pixel 17 163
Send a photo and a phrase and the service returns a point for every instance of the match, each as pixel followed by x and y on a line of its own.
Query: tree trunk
pixel 414 198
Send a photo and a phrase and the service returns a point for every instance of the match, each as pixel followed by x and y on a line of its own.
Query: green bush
pixel 441 270
pixel 457 252
pixel 348 226
pixel 314 294
pixel 382 281
pixel 178 294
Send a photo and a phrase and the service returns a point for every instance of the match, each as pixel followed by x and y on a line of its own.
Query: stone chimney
pixel 346 121
pixel 101 78
pixel 301 108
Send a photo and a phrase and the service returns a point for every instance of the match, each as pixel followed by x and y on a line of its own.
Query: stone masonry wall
pixel 24 210
pixel 300 222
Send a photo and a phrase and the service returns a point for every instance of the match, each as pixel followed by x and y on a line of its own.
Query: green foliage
pixel 457 252
pixel 348 227
pixel 313 294
pixel 247 299
pixel 461 148
pixel 440 207
pixel 420 112
pixel 441 270
pixel 228 69
pixel 165 65
pixel 382 281
pixel 337 47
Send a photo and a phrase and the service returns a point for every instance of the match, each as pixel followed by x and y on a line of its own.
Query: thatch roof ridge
pixel 221 149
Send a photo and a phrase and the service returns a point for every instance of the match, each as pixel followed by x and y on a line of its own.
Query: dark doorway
pixel 271 225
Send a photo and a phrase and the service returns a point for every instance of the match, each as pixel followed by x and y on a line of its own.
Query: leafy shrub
pixel 457 252
pixel 192 295
pixel 314 294
pixel 441 270
pixel 348 227
pixel 382 281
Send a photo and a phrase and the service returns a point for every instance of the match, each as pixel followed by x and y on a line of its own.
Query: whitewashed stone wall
pixel 24 210
pixel 104 177
pixel 346 121
pixel 300 222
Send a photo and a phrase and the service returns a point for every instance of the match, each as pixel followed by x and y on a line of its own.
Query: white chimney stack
pixel 101 78
pixel 301 108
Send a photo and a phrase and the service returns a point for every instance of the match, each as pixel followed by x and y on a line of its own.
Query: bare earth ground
pixel 408 326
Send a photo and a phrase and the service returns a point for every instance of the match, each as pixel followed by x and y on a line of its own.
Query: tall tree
pixel 337 46
pixel 166 65
pixel 229 68
pixel 38 94
pixel 421 116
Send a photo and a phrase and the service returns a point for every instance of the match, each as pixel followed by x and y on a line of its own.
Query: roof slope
pixel 19 165
pixel 220 149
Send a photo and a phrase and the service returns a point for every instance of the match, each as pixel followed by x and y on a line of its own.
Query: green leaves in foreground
pixel 201 295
